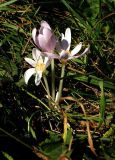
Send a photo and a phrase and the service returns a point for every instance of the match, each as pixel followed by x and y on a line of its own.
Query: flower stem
pixel 47 87
pixel 61 83
pixel 53 79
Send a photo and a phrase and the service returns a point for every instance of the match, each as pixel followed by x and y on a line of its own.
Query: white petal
pixel 85 51
pixel 56 96
pixel 62 36
pixel 47 61
pixel 76 49
pixel 40 60
pixel 30 61
pixel 36 54
pixel 28 74
pixel 34 34
pixel 64 55
pixel 38 78
pixel 68 37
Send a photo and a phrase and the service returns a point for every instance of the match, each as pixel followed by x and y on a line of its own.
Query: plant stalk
pixel 53 79
pixel 61 83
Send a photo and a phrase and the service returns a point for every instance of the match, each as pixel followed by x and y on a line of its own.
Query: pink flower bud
pixel 44 38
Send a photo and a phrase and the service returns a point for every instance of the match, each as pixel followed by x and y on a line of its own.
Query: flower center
pixel 65 54
pixel 40 67
pixel 68 52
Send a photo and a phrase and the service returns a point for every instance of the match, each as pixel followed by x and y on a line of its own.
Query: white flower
pixel 39 64
pixel 64 47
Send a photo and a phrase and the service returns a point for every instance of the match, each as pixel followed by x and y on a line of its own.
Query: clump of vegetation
pixel 68 112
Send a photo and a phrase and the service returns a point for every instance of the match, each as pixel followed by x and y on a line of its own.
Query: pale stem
pixel 53 79
pixel 47 86
pixel 61 83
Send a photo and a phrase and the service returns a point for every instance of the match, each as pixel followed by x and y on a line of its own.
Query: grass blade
pixel 7 3
pixel 102 103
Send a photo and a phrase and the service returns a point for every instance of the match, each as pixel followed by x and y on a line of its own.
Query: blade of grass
pixel 76 17
pixel 7 3
pixel 14 27
pixel 102 103
pixel 93 80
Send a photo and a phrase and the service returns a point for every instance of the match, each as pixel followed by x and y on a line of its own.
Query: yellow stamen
pixel 68 52
pixel 40 67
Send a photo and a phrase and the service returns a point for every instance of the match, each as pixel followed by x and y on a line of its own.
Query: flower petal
pixel 42 42
pixel 85 51
pixel 76 49
pixel 28 74
pixel 45 25
pixel 34 31
pixel 36 54
pixel 68 37
pixel 30 61
pixel 51 55
pixel 47 61
pixel 62 36
pixel 51 43
pixel 58 46
pixel 38 78
pixel 40 60
pixel 64 55
pixel 47 34
pixel 64 45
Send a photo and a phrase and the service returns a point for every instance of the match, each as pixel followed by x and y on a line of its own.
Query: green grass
pixel 87 101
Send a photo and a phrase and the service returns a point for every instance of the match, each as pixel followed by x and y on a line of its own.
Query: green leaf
pixel 7 3
pixel 7 156
pixel 92 80
pixel 102 103
pixel 14 68
pixel 14 27
pixel 54 150
pixel 79 19
pixel 69 136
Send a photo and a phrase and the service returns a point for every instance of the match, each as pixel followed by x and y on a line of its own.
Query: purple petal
pixel 45 25
pixel 47 34
pixel 42 42
pixel 51 44
pixel 51 55
pixel 58 46
pixel 64 44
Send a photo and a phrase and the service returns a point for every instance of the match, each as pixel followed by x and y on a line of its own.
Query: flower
pixel 39 64
pixel 64 47
pixel 44 38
